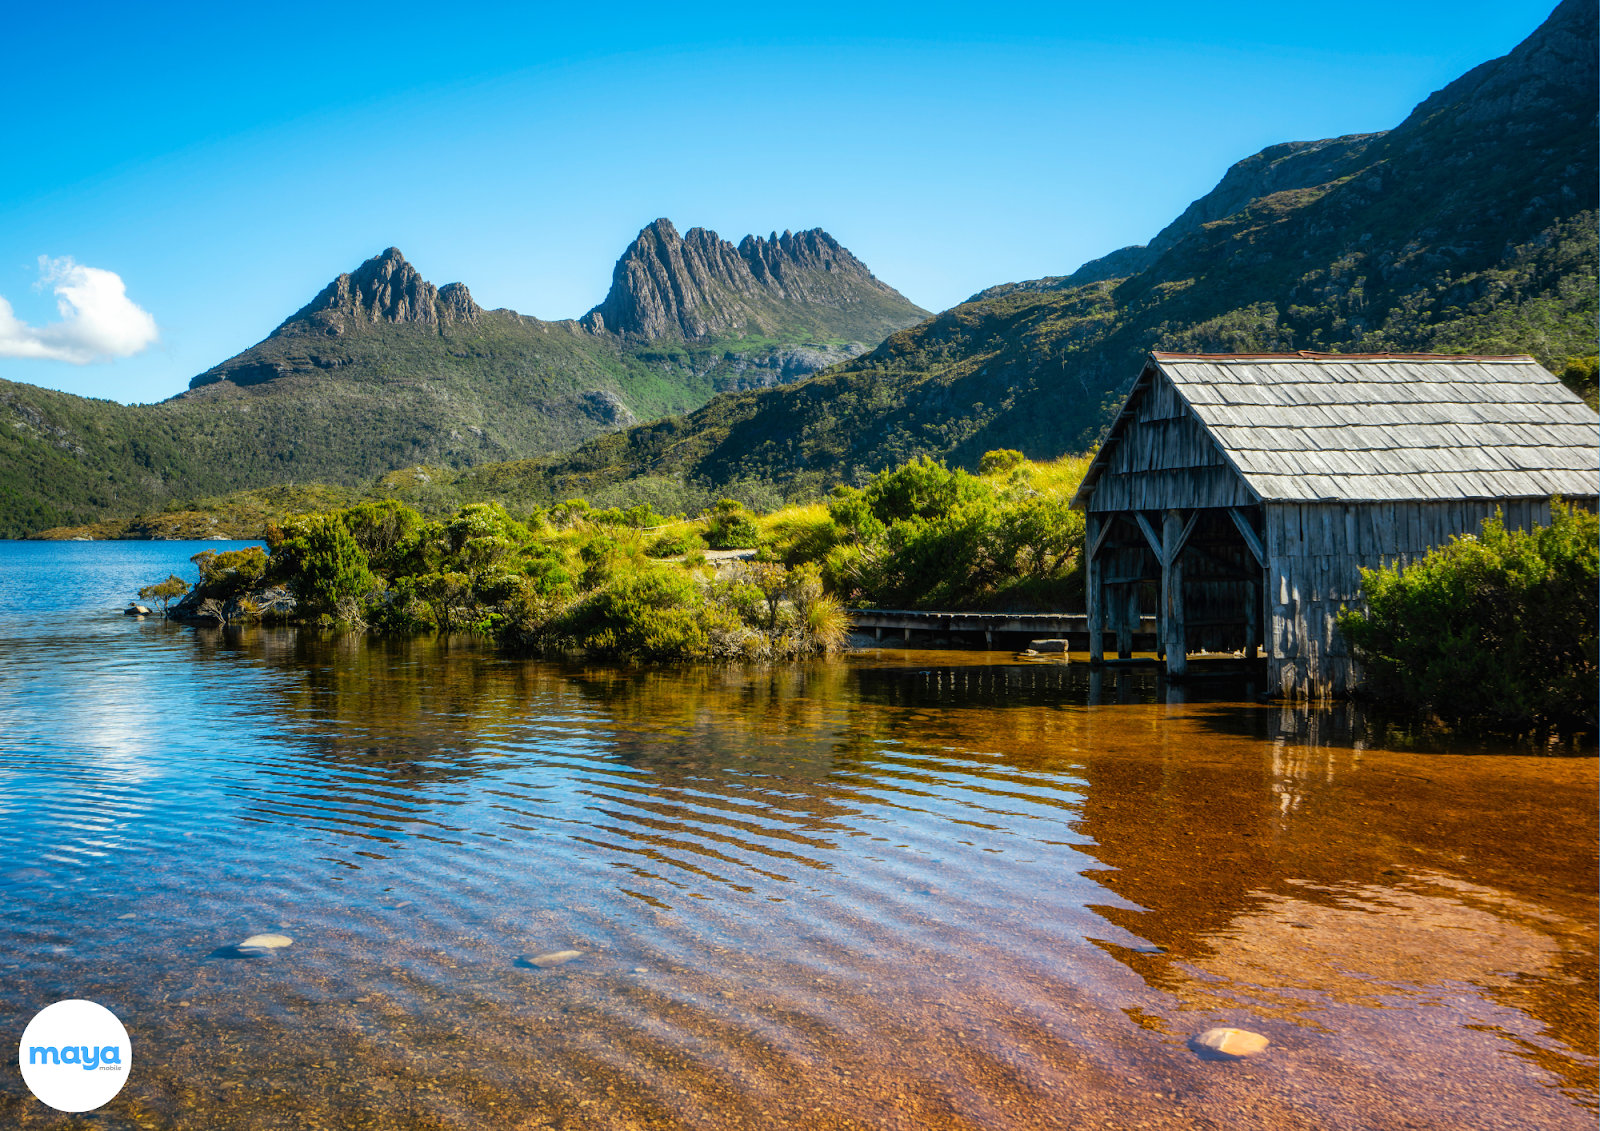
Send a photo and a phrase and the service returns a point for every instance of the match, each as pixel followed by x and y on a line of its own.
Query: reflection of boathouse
pixel 1239 495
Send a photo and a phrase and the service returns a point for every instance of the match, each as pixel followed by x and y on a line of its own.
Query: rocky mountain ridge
pixel 699 287
pixel 383 289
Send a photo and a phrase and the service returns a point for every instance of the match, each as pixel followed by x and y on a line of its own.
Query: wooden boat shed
pixel 1238 496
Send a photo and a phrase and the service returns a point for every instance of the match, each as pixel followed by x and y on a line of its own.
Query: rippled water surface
pixel 902 890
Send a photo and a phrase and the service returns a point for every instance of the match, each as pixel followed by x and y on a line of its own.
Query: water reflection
pixel 908 890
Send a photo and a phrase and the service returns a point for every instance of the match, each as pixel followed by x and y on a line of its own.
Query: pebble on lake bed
pixel 1234 1044
pixel 555 958
pixel 265 942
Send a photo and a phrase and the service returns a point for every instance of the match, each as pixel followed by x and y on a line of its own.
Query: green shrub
pixel 1000 461
pixel 607 554
pixel 402 610
pixel 852 514
pixel 166 591
pixel 545 572
pixel 1498 628
pixel 637 517
pixel 730 527
pixel 943 561
pixel 386 532
pixel 321 561
pixel 656 614
pixel 570 513
pixel 230 572
pixel 921 488
pixel 676 544
pixel 449 600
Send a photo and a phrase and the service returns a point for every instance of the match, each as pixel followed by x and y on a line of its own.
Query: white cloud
pixel 98 320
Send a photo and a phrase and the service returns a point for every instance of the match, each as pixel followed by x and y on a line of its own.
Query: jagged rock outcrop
pixel 383 289
pixel 698 286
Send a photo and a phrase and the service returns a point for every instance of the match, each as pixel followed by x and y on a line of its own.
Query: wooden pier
pixel 1012 629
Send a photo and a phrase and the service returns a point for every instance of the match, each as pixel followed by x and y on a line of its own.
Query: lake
pixel 902 889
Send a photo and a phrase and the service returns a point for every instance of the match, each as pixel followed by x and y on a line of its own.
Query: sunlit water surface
pixel 903 890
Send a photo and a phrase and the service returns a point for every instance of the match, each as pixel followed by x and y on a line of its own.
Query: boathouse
pixel 1238 496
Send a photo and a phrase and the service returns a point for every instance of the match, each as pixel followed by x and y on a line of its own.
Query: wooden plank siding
pixel 1315 554
pixel 1164 458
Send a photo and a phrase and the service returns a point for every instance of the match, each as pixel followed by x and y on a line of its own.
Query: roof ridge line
pixel 1310 355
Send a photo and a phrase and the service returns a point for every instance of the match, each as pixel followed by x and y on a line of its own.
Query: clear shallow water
pixel 909 889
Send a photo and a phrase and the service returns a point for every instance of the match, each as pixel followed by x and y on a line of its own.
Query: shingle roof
pixel 1387 427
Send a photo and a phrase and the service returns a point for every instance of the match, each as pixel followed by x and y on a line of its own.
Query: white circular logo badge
pixel 75 1055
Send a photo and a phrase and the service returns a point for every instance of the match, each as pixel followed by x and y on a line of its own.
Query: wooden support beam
pixel 1094 537
pixel 1248 533
pixel 1095 529
pixel 1188 529
pixel 1150 535
pixel 1161 556
pixel 1174 534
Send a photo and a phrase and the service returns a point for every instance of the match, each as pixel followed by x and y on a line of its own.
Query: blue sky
pixel 226 162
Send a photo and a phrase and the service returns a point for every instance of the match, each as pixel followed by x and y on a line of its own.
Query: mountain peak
pixel 698 286
pixel 383 289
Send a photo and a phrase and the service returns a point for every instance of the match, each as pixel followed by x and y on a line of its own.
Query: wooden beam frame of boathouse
pixel 1239 496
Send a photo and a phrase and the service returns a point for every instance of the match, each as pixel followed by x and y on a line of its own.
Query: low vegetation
pixel 1497 629
pixel 636 583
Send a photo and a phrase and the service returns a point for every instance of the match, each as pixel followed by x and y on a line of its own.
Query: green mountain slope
pixel 1471 227
pixel 382 370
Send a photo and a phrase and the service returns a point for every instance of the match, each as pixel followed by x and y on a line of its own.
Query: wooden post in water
pixel 1094 590
pixel 1129 621
pixel 1172 589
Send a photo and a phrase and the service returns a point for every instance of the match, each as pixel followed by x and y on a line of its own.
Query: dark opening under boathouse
pixel 1237 496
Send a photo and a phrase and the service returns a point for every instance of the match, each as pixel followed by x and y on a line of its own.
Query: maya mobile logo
pixel 75 1055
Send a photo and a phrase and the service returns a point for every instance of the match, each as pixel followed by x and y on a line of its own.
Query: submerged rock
pixel 1228 1044
pixel 265 942
pixel 555 958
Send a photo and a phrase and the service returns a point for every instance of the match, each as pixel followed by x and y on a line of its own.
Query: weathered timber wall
pixel 1164 458
pixel 1315 554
